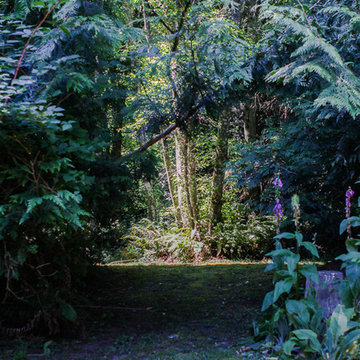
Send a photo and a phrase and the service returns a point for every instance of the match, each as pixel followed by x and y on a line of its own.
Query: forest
pixel 180 133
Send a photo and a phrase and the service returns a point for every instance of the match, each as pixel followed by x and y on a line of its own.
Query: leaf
pixel 292 262
pixel 338 323
pixel 65 30
pixel 282 287
pixel 299 238
pixel 310 337
pixel 281 253
pixel 288 346
pixel 311 248
pixel 268 300
pixel 285 235
pixel 343 226
pixel 310 272
pixel 348 341
pixel 346 295
pixel 298 311
pixel 67 310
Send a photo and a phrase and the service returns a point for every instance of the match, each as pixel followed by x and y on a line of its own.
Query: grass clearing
pixel 162 312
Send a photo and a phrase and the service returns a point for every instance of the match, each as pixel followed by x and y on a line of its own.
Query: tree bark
pixel 170 181
pixel 221 156
pixel 151 207
pixel 249 123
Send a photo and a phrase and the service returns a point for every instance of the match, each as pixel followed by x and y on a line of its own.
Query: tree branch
pixel 181 24
pixel 165 133
pixel 166 26
pixel 28 43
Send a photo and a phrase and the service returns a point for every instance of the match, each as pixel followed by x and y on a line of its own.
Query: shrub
pixel 149 242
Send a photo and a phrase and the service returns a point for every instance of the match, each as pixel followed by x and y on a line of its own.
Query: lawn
pixel 161 312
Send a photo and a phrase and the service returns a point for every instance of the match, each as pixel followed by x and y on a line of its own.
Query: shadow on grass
pixel 166 312
pixel 220 298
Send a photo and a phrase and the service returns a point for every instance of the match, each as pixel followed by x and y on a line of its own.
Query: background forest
pixel 140 129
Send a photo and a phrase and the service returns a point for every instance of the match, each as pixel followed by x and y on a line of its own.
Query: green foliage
pixel 286 267
pixel 41 191
pixel 306 332
pixel 149 242
pixel 246 237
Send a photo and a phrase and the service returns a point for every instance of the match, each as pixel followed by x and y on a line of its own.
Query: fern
pixel 317 55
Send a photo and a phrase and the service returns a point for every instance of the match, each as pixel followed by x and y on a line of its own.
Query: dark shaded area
pixel 137 311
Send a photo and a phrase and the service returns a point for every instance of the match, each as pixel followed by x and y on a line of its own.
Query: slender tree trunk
pixel 221 156
pixel 193 185
pixel 170 180
pixel 180 177
pixel 189 181
pixel 151 207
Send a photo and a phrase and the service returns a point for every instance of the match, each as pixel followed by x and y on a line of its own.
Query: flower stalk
pixel 348 195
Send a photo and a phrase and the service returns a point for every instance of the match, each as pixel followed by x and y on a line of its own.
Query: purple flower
pixel 278 210
pixel 349 194
pixel 277 182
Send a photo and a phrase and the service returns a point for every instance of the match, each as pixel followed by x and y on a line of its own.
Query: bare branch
pixel 165 133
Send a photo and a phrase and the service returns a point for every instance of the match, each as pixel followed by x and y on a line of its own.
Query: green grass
pixel 164 312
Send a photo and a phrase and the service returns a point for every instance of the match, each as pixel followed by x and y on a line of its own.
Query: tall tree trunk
pixel 221 156
pixel 186 182
pixel 170 181
pixel 249 122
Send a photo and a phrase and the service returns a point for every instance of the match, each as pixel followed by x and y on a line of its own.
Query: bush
pixel 249 237
pixel 149 242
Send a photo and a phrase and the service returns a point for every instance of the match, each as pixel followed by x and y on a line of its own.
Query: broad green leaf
pixel 281 253
pixel 310 337
pixel 310 272
pixel 282 287
pixel 346 295
pixel 292 262
pixel 288 346
pixel 268 300
pixel 298 311
pixel 285 235
pixel 299 238
pixel 343 226
pixel 311 248
pixel 338 323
